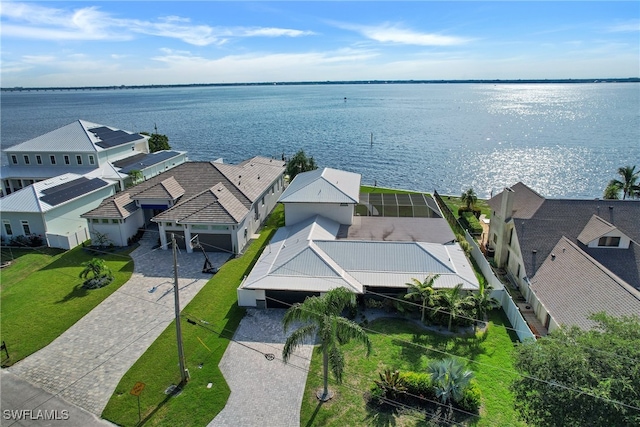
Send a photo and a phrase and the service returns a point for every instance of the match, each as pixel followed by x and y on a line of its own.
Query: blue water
pixel 563 140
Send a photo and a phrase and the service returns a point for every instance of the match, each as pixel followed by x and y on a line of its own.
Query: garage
pixel 285 299
pixel 210 242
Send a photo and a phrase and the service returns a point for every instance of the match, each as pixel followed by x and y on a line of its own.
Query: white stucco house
pixel 223 204
pixel 322 247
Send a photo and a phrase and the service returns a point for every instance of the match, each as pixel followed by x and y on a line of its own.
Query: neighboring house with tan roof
pixel 221 203
pixel 569 258
pixel 318 252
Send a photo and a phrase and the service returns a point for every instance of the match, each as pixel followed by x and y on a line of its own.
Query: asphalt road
pixel 24 404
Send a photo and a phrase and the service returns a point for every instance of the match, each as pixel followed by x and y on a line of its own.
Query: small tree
pixel 483 302
pixel 96 274
pixel 300 163
pixel 322 316
pixel 135 175
pixel 157 142
pixel 423 291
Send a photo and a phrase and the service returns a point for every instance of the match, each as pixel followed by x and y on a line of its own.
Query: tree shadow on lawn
pixel 421 412
pixel 78 291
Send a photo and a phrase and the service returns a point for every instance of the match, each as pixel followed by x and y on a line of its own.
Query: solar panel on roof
pixel 64 186
pixel 112 138
pixel 149 160
pixel 81 186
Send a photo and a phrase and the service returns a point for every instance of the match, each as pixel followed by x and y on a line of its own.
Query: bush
pixel 31 240
pixel 471 398
pixel 419 384
pixel 471 223
pixel 97 282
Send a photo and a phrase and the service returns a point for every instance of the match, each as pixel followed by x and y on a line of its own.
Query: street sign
pixel 137 389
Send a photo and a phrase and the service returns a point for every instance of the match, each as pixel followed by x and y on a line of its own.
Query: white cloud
pixel 625 27
pixel 395 33
pixel 25 20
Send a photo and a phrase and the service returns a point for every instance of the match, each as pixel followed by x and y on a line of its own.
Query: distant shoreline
pixel 315 83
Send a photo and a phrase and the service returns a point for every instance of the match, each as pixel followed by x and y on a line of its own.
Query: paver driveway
pixel 85 363
pixel 264 392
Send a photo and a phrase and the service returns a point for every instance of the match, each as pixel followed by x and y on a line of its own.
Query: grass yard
pixel 454 203
pixel 204 346
pixel 399 344
pixel 42 295
pixel 370 189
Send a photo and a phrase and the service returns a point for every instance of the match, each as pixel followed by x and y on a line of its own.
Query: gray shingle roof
pixel 252 177
pixel 525 201
pixel 572 286
pixel 562 217
pixel 595 228
pixel 168 188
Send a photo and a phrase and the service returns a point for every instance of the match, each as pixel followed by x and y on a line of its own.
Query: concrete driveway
pixel 85 364
pixel 265 391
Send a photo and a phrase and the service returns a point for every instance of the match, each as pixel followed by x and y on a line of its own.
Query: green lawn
pixel 399 344
pixel 370 189
pixel 42 295
pixel 203 347
pixel 454 203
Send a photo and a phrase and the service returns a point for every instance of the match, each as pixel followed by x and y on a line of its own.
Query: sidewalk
pixel 85 364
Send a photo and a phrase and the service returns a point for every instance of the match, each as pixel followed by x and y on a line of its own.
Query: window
pixel 79 159
pixel 66 160
pixel 609 241
pixel 52 159
pixel 510 236
pixel 92 160
pixel 257 214
pixel 199 227
pixel 7 228
pixel 95 220
pixel 26 160
pixel 168 224
pixel 14 159
pixel 25 227
pixel 272 189
pixel 262 201
pixel 105 221
pixel 38 159
pixel 115 221
pixel 495 238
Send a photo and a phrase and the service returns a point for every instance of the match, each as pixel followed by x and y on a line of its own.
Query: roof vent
pixel 553 257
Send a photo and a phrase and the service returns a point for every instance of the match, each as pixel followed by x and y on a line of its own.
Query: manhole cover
pixel 269 356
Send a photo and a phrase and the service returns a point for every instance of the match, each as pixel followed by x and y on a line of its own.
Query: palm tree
pixel 424 291
pixel 629 183
pixel 96 268
pixel 452 301
pixel 322 315
pixel 483 302
pixel 450 378
pixel 470 198
pixel 612 192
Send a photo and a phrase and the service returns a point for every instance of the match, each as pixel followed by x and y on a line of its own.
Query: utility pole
pixel 184 374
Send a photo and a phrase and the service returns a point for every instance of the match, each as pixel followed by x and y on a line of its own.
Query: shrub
pixel 471 398
pixel 471 223
pixel 97 282
pixel 419 384
pixel 391 383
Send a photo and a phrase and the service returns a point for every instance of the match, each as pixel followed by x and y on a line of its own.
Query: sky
pixel 104 43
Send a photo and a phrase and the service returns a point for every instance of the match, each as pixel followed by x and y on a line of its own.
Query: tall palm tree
pixel 452 301
pixel 322 316
pixel 423 291
pixel 470 198
pixel 450 378
pixel 483 302
pixel 628 183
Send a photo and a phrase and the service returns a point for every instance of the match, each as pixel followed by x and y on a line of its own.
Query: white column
pixel 187 239
pixel 163 236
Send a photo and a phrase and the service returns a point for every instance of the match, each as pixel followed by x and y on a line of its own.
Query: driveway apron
pixel 265 391
pixel 85 364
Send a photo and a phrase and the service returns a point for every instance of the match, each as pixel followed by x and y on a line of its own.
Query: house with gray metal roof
pixel 549 246
pixel 82 147
pixel 52 209
pixel 363 253
pixel 215 205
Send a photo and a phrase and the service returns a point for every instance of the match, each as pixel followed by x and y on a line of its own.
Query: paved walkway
pixel 85 364
pixel 264 393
